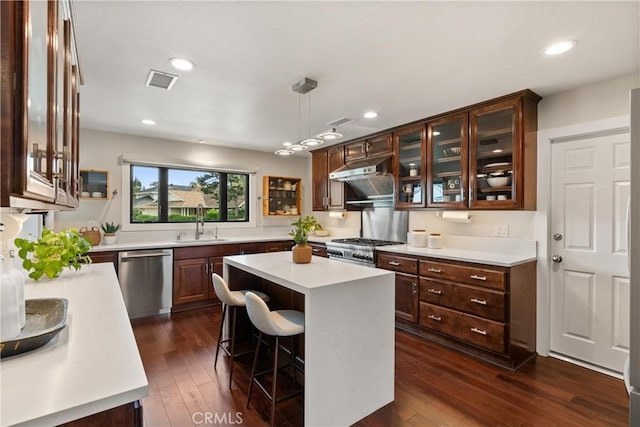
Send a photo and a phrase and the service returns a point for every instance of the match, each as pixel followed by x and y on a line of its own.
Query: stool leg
pixel 233 342
pixel 224 312
pixel 253 369
pixel 275 376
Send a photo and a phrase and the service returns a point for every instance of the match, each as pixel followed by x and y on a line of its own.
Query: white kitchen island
pixel 349 332
pixel 92 365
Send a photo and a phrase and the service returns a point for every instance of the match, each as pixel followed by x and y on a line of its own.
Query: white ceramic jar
pixel 435 241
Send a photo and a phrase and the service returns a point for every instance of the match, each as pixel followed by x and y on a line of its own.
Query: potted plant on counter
pixel 110 229
pixel 302 251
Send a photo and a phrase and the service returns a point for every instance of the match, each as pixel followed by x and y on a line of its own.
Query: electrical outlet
pixel 501 231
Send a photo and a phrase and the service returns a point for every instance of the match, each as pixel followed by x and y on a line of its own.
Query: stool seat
pixel 279 323
pixel 238 299
pixel 233 300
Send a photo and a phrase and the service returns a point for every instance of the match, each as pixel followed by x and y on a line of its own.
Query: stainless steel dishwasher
pixel 146 281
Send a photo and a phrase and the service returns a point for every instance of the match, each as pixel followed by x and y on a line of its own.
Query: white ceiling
pixel 406 60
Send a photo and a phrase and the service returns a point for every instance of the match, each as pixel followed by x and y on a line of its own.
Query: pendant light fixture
pixel 330 135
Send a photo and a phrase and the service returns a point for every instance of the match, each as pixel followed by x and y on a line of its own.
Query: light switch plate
pixel 501 231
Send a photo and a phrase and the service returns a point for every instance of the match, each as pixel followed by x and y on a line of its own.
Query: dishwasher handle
pixel 126 255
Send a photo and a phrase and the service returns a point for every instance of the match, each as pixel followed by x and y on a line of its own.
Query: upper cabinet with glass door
pixel 502 154
pixel 409 144
pixel 39 60
pixel 447 157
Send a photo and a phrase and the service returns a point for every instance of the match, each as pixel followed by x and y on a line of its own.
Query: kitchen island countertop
pixel 91 366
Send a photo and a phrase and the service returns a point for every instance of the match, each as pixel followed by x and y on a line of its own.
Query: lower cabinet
pixel 105 256
pixel 319 249
pixel 482 310
pixel 193 266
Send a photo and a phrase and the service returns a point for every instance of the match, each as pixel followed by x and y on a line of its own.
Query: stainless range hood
pixel 370 179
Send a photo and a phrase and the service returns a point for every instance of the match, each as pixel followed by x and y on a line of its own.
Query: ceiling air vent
pixel 340 122
pixel 160 79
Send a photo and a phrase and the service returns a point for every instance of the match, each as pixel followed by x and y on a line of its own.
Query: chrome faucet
pixel 199 221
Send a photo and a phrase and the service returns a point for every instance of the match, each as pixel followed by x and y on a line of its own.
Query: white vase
pixel 109 239
pixel 9 316
pixel 19 279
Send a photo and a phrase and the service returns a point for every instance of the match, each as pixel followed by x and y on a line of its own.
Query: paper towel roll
pixel 456 216
pixel 339 214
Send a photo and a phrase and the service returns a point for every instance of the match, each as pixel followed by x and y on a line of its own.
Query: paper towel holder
pixel 455 216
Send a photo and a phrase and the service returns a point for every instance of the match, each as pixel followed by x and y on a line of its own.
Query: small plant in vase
pixel 302 251
pixel 110 229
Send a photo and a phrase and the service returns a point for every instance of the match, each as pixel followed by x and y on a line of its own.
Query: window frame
pixel 127 183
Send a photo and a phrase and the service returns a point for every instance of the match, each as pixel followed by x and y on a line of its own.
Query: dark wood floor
pixel 434 386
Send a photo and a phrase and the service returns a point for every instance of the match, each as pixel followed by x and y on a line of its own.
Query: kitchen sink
pixel 204 239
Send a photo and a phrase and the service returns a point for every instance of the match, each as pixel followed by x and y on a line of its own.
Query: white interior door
pixel 590 282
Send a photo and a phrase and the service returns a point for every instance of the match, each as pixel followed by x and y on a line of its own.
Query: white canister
pixel 9 314
pixel 8 267
pixel 417 238
pixel 435 241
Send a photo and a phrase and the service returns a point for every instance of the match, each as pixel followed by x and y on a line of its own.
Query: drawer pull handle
pixel 475 276
pixel 435 291
pixel 479 301
pixel 478 331
pixel 396 263
pixel 436 318
pixel 435 270
pixel 315 250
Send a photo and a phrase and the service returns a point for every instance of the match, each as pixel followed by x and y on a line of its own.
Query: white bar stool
pixel 233 300
pixel 280 323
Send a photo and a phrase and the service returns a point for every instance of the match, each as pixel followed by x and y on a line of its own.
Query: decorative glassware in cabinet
pixel 409 167
pixel 448 161
pixel 493 154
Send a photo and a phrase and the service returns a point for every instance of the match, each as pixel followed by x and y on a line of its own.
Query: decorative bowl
pixel 321 233
pixel 498 181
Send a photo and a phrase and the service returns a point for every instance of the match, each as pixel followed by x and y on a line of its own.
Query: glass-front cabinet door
pixel 410 166
pixel 494 148
pixel 447 160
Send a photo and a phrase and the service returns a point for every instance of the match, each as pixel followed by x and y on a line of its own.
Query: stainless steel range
pixel 357 250
pixel 380 227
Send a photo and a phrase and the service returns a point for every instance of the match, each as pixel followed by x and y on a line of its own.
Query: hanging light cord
pixel 309 118
pixel 299 114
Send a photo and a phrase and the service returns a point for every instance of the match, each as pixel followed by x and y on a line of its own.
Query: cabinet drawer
pixel 319 250
pixel 465 327
pixel 438 318
pixel 473 275
pixel 470 299
pixel 397 263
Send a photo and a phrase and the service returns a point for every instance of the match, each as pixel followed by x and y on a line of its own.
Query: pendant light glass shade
pixel 330 135
pixel 311 142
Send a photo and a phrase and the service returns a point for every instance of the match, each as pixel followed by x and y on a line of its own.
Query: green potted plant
pixel 53 252
pixel 302 251
pixel 110 229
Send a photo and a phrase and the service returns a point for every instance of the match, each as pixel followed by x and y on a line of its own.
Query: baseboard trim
pixel 582 363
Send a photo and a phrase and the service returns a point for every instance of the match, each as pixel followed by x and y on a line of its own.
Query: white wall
pixel 598 101
pixel 102 150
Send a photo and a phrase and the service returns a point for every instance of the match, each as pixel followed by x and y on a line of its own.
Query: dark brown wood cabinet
pixel 484 156
pixel 320 179
pixel 105 256
pixel 483 310
pixel 327 194
pixel 40 106
pixel 409 164
pixel 319 249
pixel 406 268
pixel 376 145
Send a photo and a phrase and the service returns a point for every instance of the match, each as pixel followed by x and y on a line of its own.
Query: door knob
pixel 557 237
pixel 556 258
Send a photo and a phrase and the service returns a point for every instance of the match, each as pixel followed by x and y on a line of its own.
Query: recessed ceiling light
pixel 284 152
pixel 148 122
pixel 201 141
pixel 370 115
pixel 298 147
pixel 182 64
pixel 330 135
pixel 560 47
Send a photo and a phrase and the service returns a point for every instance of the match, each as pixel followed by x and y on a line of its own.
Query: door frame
pixel 598 128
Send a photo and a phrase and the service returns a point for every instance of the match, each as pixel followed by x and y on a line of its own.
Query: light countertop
pixel 91 366
pixel 468 255
pixel 278 267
